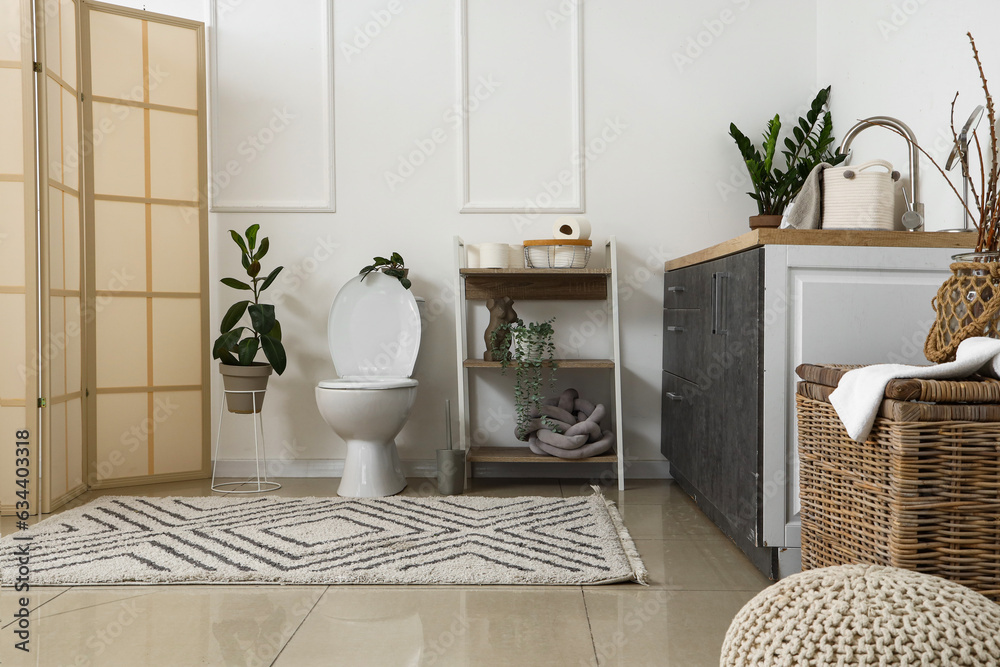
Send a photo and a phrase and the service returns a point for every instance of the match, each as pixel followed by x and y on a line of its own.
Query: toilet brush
pixel 450 462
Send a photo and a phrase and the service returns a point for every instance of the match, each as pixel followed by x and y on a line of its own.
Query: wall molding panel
pixel 266 118
pixel 522 91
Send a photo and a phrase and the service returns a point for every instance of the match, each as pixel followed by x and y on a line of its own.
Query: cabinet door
pixel 733 479
pixel 685 427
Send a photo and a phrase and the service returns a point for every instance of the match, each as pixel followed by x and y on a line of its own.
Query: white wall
pixel 906 59
pixel 660 186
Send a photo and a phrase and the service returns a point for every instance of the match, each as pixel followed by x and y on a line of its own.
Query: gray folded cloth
pixel 807 211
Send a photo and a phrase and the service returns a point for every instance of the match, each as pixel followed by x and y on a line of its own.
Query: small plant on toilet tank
pixel 393 266
pixel 237 346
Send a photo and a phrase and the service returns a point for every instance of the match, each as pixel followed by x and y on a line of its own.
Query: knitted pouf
pixel 864 615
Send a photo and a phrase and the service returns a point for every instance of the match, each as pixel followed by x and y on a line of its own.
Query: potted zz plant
pixel 530 348
pixel 809 145
pixel 237 347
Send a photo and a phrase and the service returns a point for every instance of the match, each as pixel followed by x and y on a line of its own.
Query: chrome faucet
pixel 913 219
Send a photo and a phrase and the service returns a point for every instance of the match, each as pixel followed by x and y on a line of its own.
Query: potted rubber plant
pixel 530 348
pixel 810 144
pixel 237 346
pixel 393 266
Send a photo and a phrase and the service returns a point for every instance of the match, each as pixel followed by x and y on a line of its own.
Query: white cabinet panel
pixel 844 305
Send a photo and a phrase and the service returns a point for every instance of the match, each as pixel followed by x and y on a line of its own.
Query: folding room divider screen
pixel 112 275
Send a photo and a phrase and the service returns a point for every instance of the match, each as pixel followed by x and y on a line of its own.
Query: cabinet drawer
pixel 684 427
pixel 690 287
pixel 686 337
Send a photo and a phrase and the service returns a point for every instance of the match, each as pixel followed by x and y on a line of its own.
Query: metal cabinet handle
pixel 673 397
pixel 718 307
pixel 677 329
pixel 676 288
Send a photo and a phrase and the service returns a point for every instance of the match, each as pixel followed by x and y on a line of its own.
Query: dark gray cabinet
pixel 712 400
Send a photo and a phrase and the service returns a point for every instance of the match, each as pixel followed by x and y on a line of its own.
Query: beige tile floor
pixel 698 581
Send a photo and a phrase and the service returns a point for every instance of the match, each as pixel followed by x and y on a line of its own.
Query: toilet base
pixel 371 470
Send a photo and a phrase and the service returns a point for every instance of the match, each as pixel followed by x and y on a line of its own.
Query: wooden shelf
pixel 525 455
pixel 536 284
pixel 535 272
pixel 560 363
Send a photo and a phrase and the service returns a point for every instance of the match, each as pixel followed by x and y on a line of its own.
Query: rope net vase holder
pixel 967 305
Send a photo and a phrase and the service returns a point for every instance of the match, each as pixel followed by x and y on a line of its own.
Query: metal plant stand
pixel 261 482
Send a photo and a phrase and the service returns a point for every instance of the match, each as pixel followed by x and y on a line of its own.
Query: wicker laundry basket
pixel 922 493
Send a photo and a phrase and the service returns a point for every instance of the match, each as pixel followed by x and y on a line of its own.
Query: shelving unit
pixel 591 284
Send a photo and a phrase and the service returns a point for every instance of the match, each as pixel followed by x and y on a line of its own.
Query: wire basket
pixel 557 253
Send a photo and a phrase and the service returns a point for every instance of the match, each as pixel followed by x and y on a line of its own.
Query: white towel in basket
pixel 860 392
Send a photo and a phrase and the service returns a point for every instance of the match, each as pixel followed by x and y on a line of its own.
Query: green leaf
pixel 253 269
pixel 248 350
pixel 381 261
pixel 405 282
pixel 275 353
pixel 270 278
pixel 397 258
pixel 239 241
pixel 275 331
pixel 261 317
pixel 226 343
pixel 252 235
pixel 264 245
pixel 233 315
pixel 245 260
pixel 395 273
pixel 234 283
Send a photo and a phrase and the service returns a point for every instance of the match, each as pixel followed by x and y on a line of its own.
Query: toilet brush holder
pixel 451 471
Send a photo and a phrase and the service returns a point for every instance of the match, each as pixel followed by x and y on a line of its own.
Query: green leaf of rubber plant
pixel 252 235
pixel 275 353
pixel 234 283
pixel 261 317
pixel 239 241
pixel 265 244
pixel 270 278
pixel 275 331
pixel 226 342
pixel 233 315
pixel 248 350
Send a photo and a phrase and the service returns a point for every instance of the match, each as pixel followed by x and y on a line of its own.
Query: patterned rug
pixel 397 540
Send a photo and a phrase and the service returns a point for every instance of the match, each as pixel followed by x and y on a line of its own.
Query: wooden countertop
pixel 759 237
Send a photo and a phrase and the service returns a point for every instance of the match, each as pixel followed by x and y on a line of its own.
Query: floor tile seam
pixel 297 627
pixel 590 627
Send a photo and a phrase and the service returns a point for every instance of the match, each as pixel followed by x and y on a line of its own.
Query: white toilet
pixel 374 334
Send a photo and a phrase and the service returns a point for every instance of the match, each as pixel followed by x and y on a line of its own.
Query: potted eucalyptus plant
pixel 530 348
pixel 237 346
pixel 809 145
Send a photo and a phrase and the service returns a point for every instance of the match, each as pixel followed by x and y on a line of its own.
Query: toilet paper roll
pixel 516 256
pixel 571 227
pixel 471 256
pixel 494 255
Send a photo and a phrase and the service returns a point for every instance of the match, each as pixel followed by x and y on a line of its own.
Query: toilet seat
pixel 368 383
pixel 374 329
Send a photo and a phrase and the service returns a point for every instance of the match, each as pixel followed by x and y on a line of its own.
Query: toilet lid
pixel 374 328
